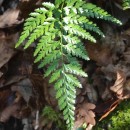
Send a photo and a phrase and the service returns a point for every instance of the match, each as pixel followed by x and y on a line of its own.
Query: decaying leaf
pixel 88 91
pixel 9 18
pixel 84 114
pixel 91 93
pixel 24 87
pixel 12 110
pixel 7 48
pixel 119 83
pixel 126 93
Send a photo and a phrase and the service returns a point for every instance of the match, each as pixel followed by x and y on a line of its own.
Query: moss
pixel 119 119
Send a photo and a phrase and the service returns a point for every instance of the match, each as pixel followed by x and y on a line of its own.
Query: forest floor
pixel 23 90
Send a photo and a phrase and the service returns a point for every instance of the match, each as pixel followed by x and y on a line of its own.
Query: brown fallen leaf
pixel 12 110
pixel 126 93
pixel 23 87
pixel 78 123
pixel 84 114
pixel 10 81
pixel 119 83
pixel 9 18
pixel 7 48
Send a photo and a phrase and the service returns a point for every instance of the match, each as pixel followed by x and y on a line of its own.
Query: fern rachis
pixel 60 28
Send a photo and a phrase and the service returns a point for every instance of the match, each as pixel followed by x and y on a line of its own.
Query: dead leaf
pixel 7 49
pixel 126 93
pixel 9 18
pixel 85 114
pixel 24 87
pixel 78 123
pixel 12 110
pixel 91 93
pixel 13 79
pixel 119 83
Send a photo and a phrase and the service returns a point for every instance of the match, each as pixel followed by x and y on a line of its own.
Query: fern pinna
pixel 126 4
pixel 59 29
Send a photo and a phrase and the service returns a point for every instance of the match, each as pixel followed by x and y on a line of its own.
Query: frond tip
pixel 126 4
pixel 59 30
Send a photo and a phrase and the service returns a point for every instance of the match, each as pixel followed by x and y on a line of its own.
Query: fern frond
pixel 39 31
pixel 73 80
pixel 58 84
pixel 55 76
pixel 53 66
pixel 48 5
pixel 74 69
pixel 91 10
pixel 76 50
pixel 60 29
pixel 45 40
pixel 126 4
pixel 83 22
pixel 48 48
pixel 31 23
pixel 79 31
pixel 50 58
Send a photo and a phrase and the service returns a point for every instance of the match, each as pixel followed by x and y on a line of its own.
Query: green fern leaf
pixel 60 29
pixel 59 84
pixel 76 50
pixel 56 75
pixel 49 5
pixel 73 80
pixel 45 52
pixel 74 69
pixel 50 58
pixel 53 66
pixel 79 31
pixel 84 22
pixel 126 4
pixel 91 10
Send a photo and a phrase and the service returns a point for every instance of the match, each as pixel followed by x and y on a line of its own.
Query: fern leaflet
pixel 126 4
